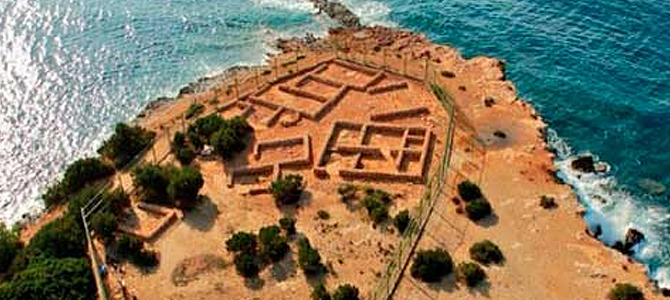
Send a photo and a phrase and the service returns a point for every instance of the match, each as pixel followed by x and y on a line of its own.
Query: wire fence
pixel 246 81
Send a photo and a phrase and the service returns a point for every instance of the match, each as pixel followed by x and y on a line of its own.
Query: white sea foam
pixel 293 5
pixel 614 209
pixel 371 12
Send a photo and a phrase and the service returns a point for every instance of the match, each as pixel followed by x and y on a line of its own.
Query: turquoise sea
pixel 597 70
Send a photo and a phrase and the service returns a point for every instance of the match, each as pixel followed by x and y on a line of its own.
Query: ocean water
pixel 598 71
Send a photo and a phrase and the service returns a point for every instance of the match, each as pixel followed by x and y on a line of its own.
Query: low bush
pixel 117 201
pixel 478 209
pixel 230 138
pixel 401 221
pixel 185 155
pixel 68 278
pixel 104 224
pixel 486 252
pixel 193 110
pixel 319 292
pixel 184 186
pixel 471 273
pixel 273 245
pixel 469 191
pixel 547 202
pixel 288 225
pixel 132 249
pixel 242 242
pixel 84 171
pixel 126 143
pixel 431 265
pixel 322 214
pixel 9 247
pixel 153 181
pixel 287 190
pixel 309 258
pixel 61 238
pixel 247 264
pixel 376 203
pixel 625 291
pixel 347 191
pixel 346 292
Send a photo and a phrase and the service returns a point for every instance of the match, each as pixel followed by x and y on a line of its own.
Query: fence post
pixel 425 69
pixel 404 65
pixel 153 152
pixel 237 92
pixel 384 58
pixel 183 123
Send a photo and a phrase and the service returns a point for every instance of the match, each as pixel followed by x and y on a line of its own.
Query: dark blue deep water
pixel 598 72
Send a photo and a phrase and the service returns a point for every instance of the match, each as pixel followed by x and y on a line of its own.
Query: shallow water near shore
pixel 597 71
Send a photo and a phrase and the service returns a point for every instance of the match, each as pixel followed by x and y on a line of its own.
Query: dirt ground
pixel 348 242
pixel 548 255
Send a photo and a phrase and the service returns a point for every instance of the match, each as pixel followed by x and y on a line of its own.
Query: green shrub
pixel 104 224
pixel 226 142
pixel 471 273
pixel 309 259
pixel 61 238
pixel 288 224
pixel 431 265
pixel 319 292
pixel 347 191
pixel 9 247
pixel 184 185
pixel 625 291
pixel 379 214
pixel 377 194
pixel 185 156
pixel 401 221
pixel 478 209
pixel 547 202
pixel 128 246
pixel 117 200
pixel 68 278
pixel 346 292
pixel 126 143
pixel 242 242
pixel 84 171
pixel 153 181
pixel 322 214
pixel 200 132
pixel 193 110
pixel 469 191
pixel 247 264
pixel 273 245
pixel 486 252
pixel 287 190
pixel 77 175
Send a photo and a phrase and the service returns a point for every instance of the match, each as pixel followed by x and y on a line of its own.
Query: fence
pixel 426 71
pixel 244 82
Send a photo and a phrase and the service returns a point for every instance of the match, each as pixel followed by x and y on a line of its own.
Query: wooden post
pixel 237 92
pixel 425 69
pixel 384 58
pixel 153 153
pixel 183 123
pixel 404 65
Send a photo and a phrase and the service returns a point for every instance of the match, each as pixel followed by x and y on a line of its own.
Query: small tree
pixel 379 214
pixel 401 221
pixel 431 265
pixel 125 144
pixel 309 259
pixel 288 224
pixel 346 292
pixel 194 110
pixel 185 185
pixel 117 201
pixel 287 190
pixel 347 191
pixel 471 273
pixel 9 247
pixel 319 292
pixel 84 171
pixel 153 181
pixel 201 131
pixel 68 278
pixel 486 252
pixel 625 291
pixel 469 191
pixel 104 224
pixel 323 215
pixel 242 242
pixel 61 238
pixel 478 209
pixel 547 202
pixel 247 264
pixel 128 246
pixel 273 245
